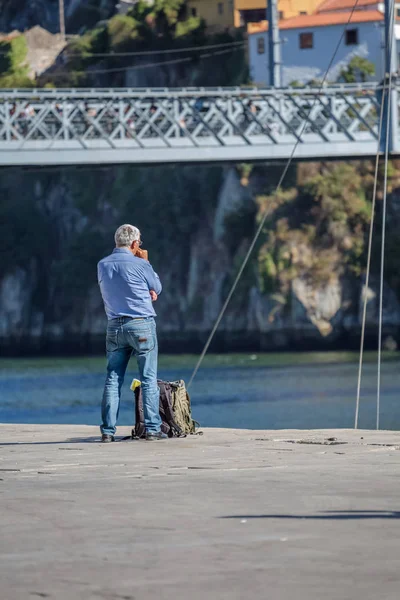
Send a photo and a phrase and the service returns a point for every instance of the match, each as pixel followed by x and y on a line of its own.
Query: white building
pixel 309 42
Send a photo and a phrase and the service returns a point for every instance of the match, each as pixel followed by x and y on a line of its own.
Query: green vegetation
pixel 162 25
pixel 13 67
pixel 318 229
pixel 359 69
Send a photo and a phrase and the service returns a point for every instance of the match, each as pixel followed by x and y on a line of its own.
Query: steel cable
pixel 384 207
pixel 386 93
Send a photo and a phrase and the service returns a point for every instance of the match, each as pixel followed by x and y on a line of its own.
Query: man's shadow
pixel 80 440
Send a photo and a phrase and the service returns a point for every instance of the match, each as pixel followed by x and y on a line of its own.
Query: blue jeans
pixel 126 336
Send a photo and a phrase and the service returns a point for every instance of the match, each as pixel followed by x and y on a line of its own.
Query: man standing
pixel 128 286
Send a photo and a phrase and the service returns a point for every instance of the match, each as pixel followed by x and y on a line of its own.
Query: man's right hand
pixel 142 254
pixel 153 295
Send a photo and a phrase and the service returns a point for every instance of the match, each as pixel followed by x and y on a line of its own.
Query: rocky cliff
pixel 197 224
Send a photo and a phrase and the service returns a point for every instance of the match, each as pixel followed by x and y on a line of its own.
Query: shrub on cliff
pixel 13 66
pixel 318 229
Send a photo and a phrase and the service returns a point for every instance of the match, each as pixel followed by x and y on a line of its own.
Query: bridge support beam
pixel 274 44
pixel 391 66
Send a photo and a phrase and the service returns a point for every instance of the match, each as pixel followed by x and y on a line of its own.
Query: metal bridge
pixel 91 126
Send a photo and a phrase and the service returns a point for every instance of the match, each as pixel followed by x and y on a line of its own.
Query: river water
pixel 268 391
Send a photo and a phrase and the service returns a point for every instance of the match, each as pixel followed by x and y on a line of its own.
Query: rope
pixel 366 285
pixel 385 91
pixel 263 220
pixel 84 54
pixel 151 52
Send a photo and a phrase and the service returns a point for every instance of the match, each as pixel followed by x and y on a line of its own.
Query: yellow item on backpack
pixel 135 383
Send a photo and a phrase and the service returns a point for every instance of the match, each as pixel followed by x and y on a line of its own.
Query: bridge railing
pixel 188 124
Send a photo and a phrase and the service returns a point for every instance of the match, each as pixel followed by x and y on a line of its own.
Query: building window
pixel 220 8
pixel 398 12
pixel 302 12
pixel 306 41
pixel 281 15
pixel 194 12
pixel 252 16
pixel 352 37
pixel 260 45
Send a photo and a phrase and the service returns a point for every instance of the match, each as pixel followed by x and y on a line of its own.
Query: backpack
pixel 175 410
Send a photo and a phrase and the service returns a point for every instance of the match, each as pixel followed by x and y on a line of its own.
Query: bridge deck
pixel 47 127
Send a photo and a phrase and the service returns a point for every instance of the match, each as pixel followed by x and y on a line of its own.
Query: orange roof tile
pixel 320 20
pixel 339 18
pixel 329 5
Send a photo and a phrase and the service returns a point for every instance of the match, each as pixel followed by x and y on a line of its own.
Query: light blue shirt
pixel 125 282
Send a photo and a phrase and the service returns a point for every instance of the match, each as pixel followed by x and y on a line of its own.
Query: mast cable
pixel 386 92
pixel 384 208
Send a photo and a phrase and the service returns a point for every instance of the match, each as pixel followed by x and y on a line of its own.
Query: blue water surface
pixel 297 396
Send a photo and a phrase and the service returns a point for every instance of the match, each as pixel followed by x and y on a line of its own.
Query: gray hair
pixel 126 235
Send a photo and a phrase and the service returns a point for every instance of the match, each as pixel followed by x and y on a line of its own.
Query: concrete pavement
pixel 234 514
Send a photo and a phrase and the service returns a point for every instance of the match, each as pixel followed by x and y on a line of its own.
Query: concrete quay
pixel 232 514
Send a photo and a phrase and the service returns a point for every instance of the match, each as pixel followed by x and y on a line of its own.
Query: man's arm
pixel 99 275
pixel 152 279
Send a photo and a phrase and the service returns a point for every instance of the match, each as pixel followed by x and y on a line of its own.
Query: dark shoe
pixel 155 435
pixel 106 438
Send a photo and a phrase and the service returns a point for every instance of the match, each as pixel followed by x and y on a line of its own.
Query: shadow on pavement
pixel 330 514
pixel 88 440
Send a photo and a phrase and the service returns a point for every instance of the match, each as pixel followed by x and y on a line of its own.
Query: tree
pixel 13 66
pixel 358 69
